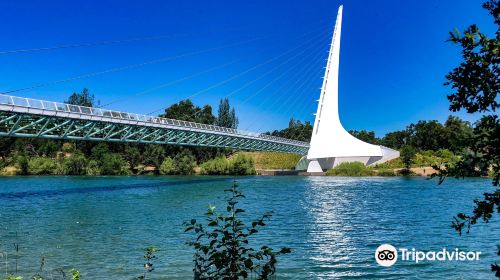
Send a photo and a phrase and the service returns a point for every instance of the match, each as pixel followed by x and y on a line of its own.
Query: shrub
pixel 385 172
pixel 184 163
pixel 222 248
pixel 113 164
pixel 41 166
pixel 76 164
pixel 22 165
pixel 242 165
pixel 167 167
pixel 217 166
pixel 93 168
pixel 392 164
pixel 350 169
pixel 68 147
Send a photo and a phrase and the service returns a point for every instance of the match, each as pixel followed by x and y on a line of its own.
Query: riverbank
pixel 416 171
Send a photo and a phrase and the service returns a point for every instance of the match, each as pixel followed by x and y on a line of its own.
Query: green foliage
pixel 68 147
pixel 407 154
pixel 133 155
pixel 367 136
pixel 226 116
pixel 435 158
pixel 185 110
pixel 99 151
pixel 427 135
pixel 217 166
pixel 13 277
pixel 184 163
pixel 41 166
pixel 75 274
pixel 113 164
pixel 458 133
pixel 93 168
pixel 475 85
pixel 84 98
pixel 273 160
pixel 395 139
pixel 385 172
pixel 350 169
pixel 242 165
pixel 22 165
pixel 48 148
pixel 167 167
pixel 75 164
pixel 296 130
pixel 392 164
pixel 154 155
pixel 149 255
pixel 222 245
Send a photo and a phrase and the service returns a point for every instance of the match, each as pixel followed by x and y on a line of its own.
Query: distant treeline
pixel 431 135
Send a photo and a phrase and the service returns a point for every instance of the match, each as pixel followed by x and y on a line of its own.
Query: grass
pixel 273 160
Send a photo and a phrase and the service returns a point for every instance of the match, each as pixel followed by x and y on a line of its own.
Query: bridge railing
pixel 101 112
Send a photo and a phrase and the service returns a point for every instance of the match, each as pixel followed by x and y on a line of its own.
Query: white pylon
pixel 331 144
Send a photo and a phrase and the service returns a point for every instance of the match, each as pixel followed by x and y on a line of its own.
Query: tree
pixel 427 135
pixel 458 132
pixel 407 156
pixel 242 165
pixel 296 130
pixel 133 155
pixel 76 164
pixel 113 164
pixel 395 139
pixel 226 116
pixel 364 135
pixel 475 86
pixel 99 151
pixel 184 162
pixel 154 155
pixel 22 165
pixel 84 98
pixel 167 167
pixel 185 110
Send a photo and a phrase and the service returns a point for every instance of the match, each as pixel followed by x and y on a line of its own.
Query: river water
pixel 333 225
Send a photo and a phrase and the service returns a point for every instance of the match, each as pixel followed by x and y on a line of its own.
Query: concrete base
pixel 322 164
pixel 314 166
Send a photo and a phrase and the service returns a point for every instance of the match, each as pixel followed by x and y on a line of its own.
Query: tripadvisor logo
pixel 387 255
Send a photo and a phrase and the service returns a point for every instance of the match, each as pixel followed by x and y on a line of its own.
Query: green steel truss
pixel 29 125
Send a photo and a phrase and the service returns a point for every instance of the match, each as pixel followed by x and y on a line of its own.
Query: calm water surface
pixel 333 225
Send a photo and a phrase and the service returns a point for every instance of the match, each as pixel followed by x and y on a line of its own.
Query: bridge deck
pixel 25 117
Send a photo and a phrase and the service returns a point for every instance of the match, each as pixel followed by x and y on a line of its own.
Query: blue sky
pixel 268 56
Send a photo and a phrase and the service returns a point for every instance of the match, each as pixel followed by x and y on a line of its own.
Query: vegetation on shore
pixel 20 156
pixel 240 164
pixel 399 166
pixel 273 160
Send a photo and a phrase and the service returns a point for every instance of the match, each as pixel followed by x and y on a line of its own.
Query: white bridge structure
pixel 330 143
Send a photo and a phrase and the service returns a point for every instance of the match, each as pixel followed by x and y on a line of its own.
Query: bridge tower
pixel 331 144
